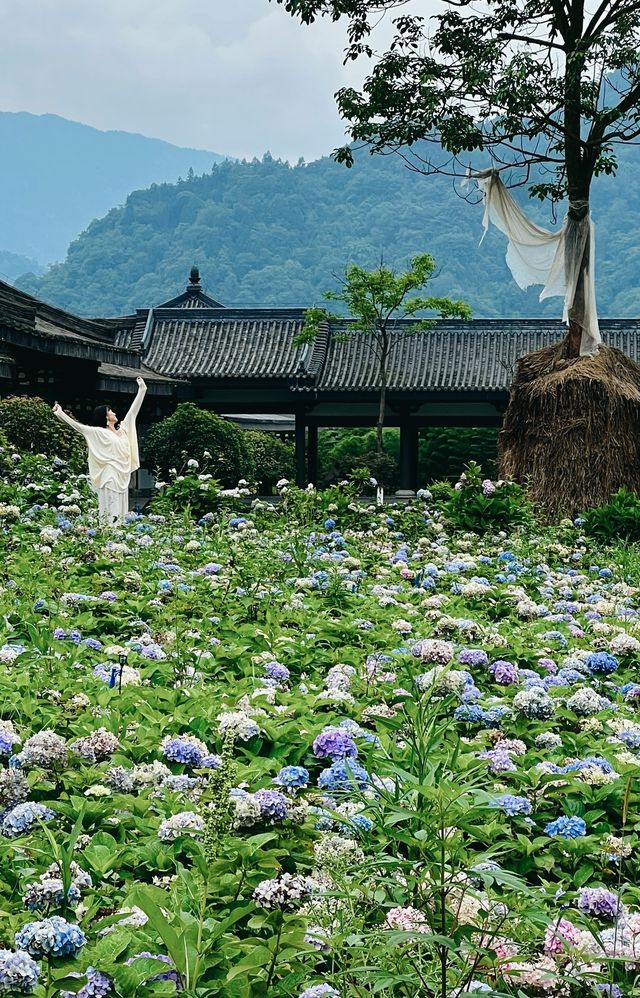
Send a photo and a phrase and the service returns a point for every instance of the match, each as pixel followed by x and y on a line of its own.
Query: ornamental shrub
pixel 480 505
pixel 272 459
pixel 192 433
pixel 618 519
pixel 31 427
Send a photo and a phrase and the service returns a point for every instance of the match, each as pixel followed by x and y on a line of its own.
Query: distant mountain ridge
pixel 57 175
pixel 267 233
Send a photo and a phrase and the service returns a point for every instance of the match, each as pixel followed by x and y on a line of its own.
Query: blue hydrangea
pixel 494 716
pixel 7 740
pixel 601 663
pixel 342 775
pixel 18 972
pixel 630 738
pixel 292 777
pixel 52 937
pixel 513 805
pixel 566 828
pixel 21 818
pixel 182 750
pixel 471 713
pixel 358 823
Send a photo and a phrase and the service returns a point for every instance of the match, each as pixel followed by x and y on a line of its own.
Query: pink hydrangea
pixel 406 920
pixel 559 935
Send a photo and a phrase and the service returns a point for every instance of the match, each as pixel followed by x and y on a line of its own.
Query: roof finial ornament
pixel 194 277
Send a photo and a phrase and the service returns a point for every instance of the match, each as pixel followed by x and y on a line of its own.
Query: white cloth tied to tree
pixel 553 259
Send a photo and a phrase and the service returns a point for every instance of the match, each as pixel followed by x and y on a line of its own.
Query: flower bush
pixel 317 747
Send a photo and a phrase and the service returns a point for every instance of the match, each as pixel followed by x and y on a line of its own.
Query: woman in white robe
pixel 113 455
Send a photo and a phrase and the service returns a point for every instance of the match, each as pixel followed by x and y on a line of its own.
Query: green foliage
pixel 443 452
pixel 374 300
pixel 618 519
pixel 315 219
pixel 487 82
pixel 31 427
pixel 481 506
pixel 272 459
pixel 195 434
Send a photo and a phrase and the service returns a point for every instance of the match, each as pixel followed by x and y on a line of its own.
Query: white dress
pixel 113 456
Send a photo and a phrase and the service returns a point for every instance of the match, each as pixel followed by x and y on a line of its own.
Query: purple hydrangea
pixel 98 985
pixel 169 975
pixel 277 671
pixel 273 804
pixel 599 903
pixel 504 672
pixel 566 827
pixel 499 761
pixel 7 740
pixel 334 743
pixel 476 658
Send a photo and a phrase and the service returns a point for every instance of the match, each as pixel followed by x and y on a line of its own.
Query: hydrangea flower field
pixel 317 749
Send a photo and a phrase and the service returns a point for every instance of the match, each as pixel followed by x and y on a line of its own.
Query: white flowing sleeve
pixel 134 409
pixel 74 424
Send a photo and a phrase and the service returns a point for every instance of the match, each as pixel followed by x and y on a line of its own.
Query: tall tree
pixel 546 87
pixel 376 301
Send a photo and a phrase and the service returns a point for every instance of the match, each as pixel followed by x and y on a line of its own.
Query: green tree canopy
pixel 526 83
pixel 376 300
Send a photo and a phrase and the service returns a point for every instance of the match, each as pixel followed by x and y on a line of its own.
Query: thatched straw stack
pixel 571 432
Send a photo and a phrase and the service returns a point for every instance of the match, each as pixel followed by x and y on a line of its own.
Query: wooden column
pixel 312 453
pixel 408 458
pixel 301 451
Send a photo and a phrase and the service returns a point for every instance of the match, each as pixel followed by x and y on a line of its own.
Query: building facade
pixel 244 363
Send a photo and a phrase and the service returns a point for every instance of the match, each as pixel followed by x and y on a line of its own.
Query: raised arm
pixel 73 423
pixel 135 405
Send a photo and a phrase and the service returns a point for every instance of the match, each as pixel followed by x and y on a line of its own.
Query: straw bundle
pixel 571 433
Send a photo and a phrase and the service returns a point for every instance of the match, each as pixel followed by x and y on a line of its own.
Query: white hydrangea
pixel 184 823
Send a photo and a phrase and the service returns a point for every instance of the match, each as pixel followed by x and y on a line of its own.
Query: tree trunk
pixel 381 409
pixel 384 353
pixel 573 340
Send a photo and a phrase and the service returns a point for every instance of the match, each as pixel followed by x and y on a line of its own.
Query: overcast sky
pixel 233 76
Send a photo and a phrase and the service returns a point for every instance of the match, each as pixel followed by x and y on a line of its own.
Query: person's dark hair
pixel 99 416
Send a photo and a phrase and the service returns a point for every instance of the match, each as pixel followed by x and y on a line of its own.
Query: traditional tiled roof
pixel 252 347
pixel 193 296
pixel 470 356
pixel 237 344
pixel 31 324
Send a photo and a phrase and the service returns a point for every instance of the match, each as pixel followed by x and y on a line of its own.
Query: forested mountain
pixel 267 233
pixel 57 175
pixel 14 264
